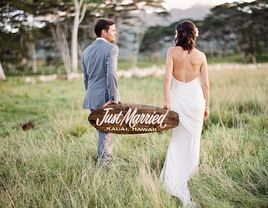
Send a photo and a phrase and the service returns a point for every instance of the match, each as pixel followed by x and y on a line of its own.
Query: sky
pixel 184 4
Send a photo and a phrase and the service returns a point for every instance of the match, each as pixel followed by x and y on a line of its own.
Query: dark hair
pixel 186 34
pixel 102 24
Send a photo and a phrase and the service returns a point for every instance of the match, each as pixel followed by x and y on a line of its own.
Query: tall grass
pixel 53 164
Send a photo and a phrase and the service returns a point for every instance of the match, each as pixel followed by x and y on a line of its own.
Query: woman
pixel 186 67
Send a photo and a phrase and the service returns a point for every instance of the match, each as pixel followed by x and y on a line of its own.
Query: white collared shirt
pixel 102 39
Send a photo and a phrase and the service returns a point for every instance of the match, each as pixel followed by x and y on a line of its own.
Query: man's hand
pixel 111 102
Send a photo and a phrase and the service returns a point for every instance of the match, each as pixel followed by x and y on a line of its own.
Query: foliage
pixel 229 28
pixel 241 24
pixel 25 21
pixel 153 37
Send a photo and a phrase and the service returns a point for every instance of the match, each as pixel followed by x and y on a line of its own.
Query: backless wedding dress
pixel 187 99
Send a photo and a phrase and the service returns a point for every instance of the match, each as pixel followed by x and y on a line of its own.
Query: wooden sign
pixel 133 119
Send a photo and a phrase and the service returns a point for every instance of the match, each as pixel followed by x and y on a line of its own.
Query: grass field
pixel 145 61
pixel 52 165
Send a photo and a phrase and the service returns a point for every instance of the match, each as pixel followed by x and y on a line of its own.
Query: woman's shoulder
pixel 174 49
pixel 198 52
pixel 170 49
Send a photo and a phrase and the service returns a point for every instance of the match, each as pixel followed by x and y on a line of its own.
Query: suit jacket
pixel 99 63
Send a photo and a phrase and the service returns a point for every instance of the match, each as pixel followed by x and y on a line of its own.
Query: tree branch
pixel 81 3
pixel 84 9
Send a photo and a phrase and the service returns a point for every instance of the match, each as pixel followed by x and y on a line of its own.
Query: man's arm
pixel 111 74
pixel 85 75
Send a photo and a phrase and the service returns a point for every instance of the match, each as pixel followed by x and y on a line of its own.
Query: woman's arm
pixel 205 85
pixel 167 81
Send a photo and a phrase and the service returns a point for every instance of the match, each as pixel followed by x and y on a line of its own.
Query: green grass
pixel 145 62
pixel 53 164
pixel 235 58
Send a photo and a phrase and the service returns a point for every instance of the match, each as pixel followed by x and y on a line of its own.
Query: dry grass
pixel 53 164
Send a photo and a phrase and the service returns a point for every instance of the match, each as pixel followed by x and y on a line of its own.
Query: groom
pixel 99 63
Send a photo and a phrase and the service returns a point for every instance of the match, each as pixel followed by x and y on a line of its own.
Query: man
pixel 99 63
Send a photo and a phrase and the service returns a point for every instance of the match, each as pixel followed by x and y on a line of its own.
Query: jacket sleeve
pixel 111 64
pixel 85 75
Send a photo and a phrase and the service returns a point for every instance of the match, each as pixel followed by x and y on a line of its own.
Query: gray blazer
pixel 99 63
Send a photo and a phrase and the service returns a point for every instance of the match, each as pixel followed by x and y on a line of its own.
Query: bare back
pixel 186 66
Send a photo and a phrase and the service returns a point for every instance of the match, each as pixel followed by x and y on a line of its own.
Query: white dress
pixel 187 99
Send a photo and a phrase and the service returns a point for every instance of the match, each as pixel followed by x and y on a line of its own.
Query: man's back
pixel 98 61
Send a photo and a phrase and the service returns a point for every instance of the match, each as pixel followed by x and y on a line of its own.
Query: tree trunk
pixel 139 38
pixel 80 10
pixel 224 47
pixel 250 51
pixel 118 21
pixel 70 60
pixel 2 73
pixel 254 49
pixel 74 54
pixel 32 51
pixel 62 45
pixel 28 56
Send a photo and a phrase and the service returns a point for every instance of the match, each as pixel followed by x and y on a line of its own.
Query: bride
pixel 186 68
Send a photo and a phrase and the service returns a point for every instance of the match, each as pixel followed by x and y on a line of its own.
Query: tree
pixel 13 20
pixel 153 38
pixel 22 19
pixel 242 23
pixel 215 30
pixel 57 14
pixel 2 73
pixel 111 9
pixel 141 26
pixel 79 14
pixel 157 36
pixel 59 32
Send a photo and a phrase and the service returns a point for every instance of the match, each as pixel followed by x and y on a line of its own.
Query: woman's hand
pixel 206 114
pixel 166 106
